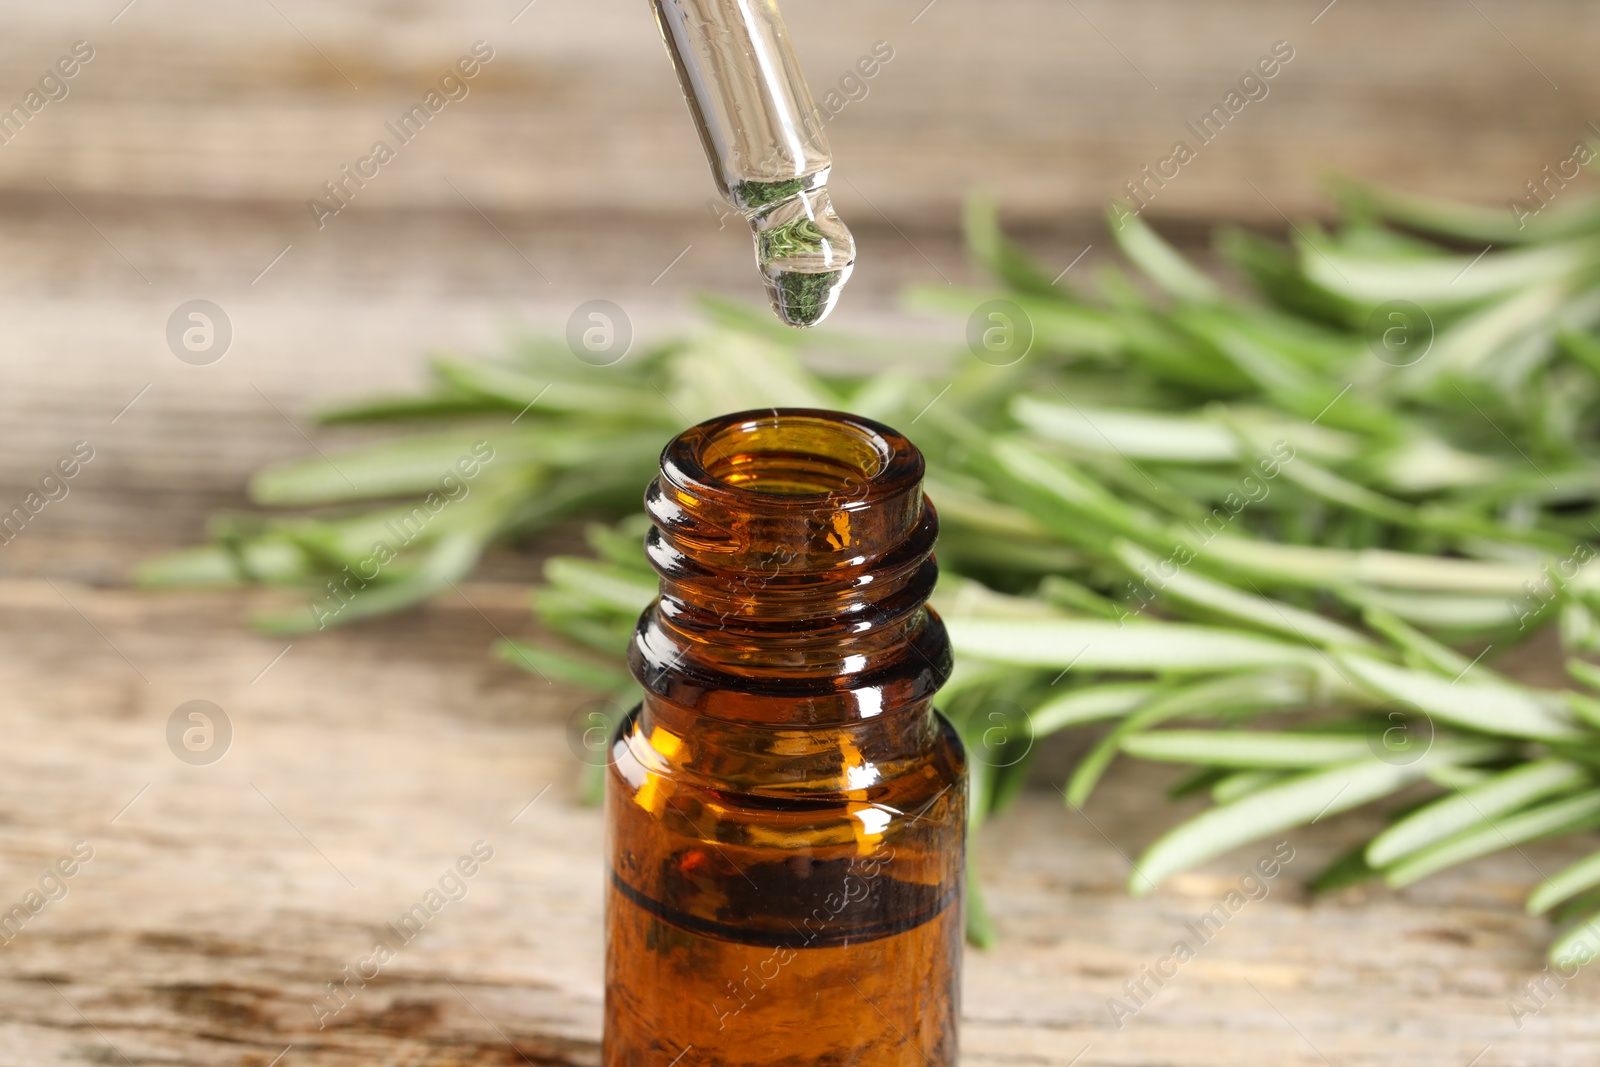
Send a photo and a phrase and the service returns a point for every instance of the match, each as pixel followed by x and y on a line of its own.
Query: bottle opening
pixel 796 490
pixel 795 549
pixel 795 455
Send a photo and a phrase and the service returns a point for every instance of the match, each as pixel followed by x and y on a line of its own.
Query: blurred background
pixel 177 164
pixel 180 164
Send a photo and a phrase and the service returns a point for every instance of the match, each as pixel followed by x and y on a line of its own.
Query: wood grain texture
pixel 1052 105
pixel 221 899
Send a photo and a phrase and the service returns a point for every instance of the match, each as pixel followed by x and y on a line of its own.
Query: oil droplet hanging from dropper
pixel 806 254
pixel 763 137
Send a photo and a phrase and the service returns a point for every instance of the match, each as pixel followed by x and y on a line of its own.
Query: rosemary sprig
pixel 1277 539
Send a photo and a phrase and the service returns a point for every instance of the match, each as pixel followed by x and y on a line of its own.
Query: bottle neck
pixel 795 549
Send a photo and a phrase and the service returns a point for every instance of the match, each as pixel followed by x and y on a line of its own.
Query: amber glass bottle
pixel 785 810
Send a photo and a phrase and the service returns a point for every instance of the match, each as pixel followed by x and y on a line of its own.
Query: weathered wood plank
pixel 1053 105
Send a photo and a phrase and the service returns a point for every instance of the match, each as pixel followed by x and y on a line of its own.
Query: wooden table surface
pixel 220 899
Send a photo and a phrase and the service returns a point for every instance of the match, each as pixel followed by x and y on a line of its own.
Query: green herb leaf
pixel 1563 886
pixel 1558 817
pixel 1475 807
pixel 1492 709
pixel 1133 646
pixel 1245 748
pixel 1304 799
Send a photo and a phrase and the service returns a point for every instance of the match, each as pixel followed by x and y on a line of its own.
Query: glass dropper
pixel 763 137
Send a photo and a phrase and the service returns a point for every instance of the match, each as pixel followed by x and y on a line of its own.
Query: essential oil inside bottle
pixel 786 811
